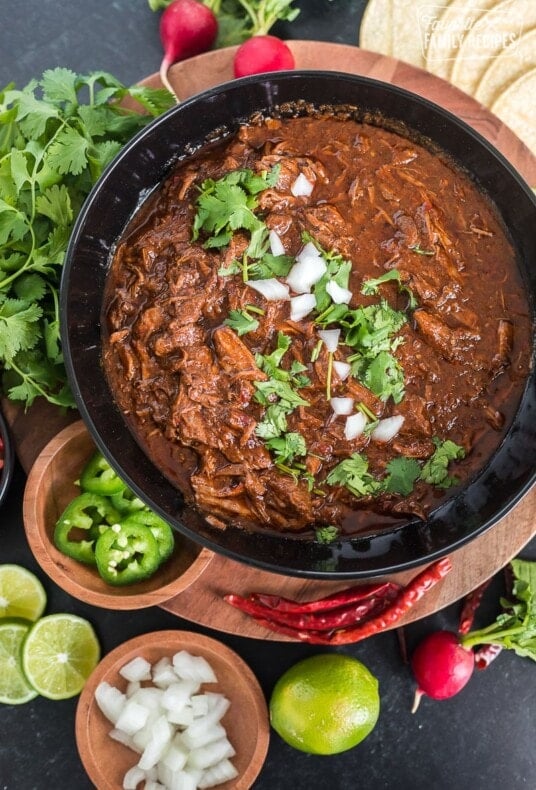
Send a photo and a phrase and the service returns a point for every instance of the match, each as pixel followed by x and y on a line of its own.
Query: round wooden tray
pixel 479 560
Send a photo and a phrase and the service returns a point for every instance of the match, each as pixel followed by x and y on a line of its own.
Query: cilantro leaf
pixel 402 474
pixel 55 203
pixel 354 475
pixel 18 326
pixel 268 390
pixel 371 287
pixel 326 534
pixel 287 447
pixel 242 322
pixel 68 152
pixel 435 470
pixel 384 377
pixel 274 422
pixel 59 85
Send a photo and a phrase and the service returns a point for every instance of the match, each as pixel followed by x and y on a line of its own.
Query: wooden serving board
pixel 472 564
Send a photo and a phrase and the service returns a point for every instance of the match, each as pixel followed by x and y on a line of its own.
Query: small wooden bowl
pixel 246 721
pixel 49 489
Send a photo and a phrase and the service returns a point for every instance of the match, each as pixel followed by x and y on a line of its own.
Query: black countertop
pixel 483 738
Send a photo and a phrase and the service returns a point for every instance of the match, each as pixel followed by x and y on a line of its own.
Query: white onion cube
pixel 133 777
pixel 342 369
pixel 210 734
pixel 176 755
pixel 161 734
pixel 110 700
pixel 342 405
pixel 133 717
pixel 163 673
pixel 178 694
pixel 354 426
pixel 182 717
pixel 276 245
pixel 188 667
pixel 387 429
pixel 199 704
pixel 301 306
pixel 223 771
pixel 211 754
pixel 136 670
pixel 305 273
pixel 302 187
pixel 338 294
pixel 273 290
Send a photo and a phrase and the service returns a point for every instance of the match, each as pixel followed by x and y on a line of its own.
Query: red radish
pixel 441 665
pixel 262 53
pixel 187 28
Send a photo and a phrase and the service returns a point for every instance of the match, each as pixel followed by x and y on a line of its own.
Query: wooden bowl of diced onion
pixel 172 706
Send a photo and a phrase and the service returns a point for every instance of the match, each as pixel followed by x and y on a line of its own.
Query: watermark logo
pixel 445 30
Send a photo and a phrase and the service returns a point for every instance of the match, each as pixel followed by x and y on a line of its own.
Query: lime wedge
pixel 14 688
pixel 21 593
pixel 59 654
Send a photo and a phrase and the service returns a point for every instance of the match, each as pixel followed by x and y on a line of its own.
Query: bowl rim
pixel 64 573
pixel 210 93
pixel 171 641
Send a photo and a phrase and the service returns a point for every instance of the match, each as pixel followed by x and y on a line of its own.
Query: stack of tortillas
pixel 485 47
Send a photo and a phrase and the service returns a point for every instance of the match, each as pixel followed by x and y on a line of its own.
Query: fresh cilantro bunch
pixel 240 19
pixel 56 137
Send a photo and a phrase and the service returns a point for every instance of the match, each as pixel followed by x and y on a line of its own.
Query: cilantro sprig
pixel 56 137
pixel 371 287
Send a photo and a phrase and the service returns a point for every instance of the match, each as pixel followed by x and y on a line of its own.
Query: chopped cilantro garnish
pixel 241 321
pixel 270 265
pixel 384 377
pixel 228 204
pixel 354 475
pixel 274 388
pixel 326 534
pixel 371 287
pixel 401 475
pixel 274 422
pixel 287 447
pixel 435 470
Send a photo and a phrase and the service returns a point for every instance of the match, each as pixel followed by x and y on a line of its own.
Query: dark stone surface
pixel 483 739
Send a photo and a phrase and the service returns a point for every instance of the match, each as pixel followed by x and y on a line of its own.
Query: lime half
pixel 14 688
pixel 59 654
pixel 21 593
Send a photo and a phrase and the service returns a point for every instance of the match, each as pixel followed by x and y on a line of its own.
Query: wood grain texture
pixel 246 720
pixel 202 601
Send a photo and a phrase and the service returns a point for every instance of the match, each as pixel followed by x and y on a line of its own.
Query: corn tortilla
pixel 517 108
pixel 491 34
pixel 449 34
pixel 511 64
pixel 376 30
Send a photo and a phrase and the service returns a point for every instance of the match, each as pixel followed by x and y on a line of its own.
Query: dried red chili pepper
pixel 404 600
pixel 333 601
pixel 470 605
pixel 328 620
pixel 486 654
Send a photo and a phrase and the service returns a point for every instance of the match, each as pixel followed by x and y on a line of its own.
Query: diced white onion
pixel 276 245
pixel 301 306
pixel 338 294
pixel 355 425
pixel 330 338
pixel 271 289
pixel 387 429
pixel 176 729
pixel 302 187
pixel 306 272
pixel 136 670
pixel 342 405
pixel 342 369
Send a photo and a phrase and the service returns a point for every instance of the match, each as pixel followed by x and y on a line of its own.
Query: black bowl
pixel 138 169
pixel 7 456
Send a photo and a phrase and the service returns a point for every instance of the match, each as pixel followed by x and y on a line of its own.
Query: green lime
pixel 14 688
pixel 21 593
pixel 59 654
pixel 325 704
